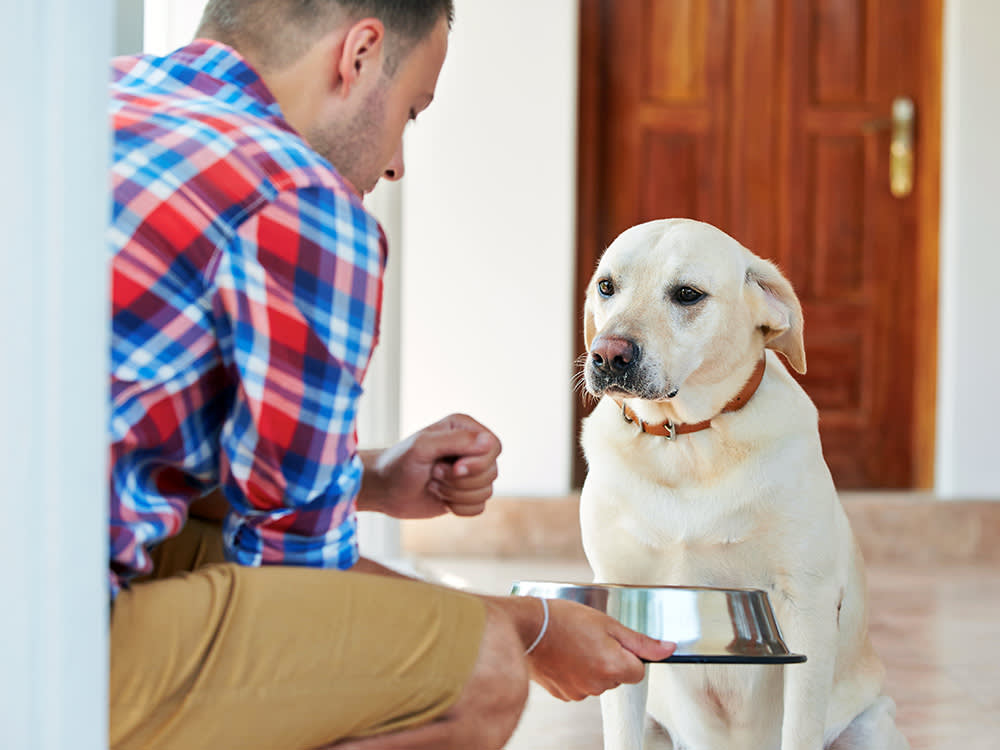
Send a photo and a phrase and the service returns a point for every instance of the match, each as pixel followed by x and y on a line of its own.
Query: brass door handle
pixel 900 144
pixel 901 148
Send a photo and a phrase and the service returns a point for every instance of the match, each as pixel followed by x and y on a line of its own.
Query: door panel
pixel 768 118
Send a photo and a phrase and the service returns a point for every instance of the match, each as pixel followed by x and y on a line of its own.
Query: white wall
pixel 968 459
pixel 170 24
pixel 53 385
pixel 129 30
pixel 378 412
pixel 488 248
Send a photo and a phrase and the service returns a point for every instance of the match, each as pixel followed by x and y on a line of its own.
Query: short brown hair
pixel 278 31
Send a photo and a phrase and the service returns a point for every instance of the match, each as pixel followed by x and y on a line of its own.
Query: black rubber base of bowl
pixel 695 659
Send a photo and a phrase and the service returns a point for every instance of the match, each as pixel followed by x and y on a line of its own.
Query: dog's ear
pixel 779 313
pixel 589 329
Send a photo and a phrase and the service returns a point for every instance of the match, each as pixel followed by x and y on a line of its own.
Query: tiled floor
pixel 935 627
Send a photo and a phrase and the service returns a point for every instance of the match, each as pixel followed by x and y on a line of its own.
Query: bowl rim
pixel 645 587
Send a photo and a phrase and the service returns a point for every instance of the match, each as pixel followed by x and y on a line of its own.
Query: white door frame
pixel 53 385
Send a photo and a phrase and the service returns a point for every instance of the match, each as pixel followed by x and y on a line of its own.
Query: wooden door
pixel 767 118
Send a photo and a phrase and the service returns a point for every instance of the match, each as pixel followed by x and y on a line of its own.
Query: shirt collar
pixel 224 63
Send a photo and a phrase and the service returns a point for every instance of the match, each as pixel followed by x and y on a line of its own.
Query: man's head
pixel 348 74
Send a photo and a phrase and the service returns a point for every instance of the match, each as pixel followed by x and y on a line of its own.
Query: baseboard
pixel 892 528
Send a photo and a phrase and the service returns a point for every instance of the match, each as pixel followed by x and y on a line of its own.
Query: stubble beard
pixel 352 146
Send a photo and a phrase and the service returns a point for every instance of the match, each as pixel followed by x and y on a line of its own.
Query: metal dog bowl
pixel 709 625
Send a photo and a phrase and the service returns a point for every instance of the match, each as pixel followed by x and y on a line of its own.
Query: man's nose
pixel 395 169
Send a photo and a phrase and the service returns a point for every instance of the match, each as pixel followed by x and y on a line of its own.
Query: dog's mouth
pixel 628 386
pixel 644 395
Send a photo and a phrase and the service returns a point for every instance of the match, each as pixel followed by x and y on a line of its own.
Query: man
pixel 246 292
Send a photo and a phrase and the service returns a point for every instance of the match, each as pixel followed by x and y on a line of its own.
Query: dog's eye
pixel 605 287
pixel 686 295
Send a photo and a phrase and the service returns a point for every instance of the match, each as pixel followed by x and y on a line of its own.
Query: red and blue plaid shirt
pixel 246 284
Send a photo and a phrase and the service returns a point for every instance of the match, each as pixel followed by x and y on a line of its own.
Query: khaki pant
pixel 214 655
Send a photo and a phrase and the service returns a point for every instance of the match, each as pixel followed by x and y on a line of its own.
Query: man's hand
pixel 447 467
pixel 583 652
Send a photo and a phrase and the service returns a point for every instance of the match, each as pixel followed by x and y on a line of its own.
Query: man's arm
pixel 297 293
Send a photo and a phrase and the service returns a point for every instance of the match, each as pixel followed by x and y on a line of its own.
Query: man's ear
pixel 777 311
pixel 360 53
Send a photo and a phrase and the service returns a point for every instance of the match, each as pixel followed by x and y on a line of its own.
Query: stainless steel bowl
pixel 709 625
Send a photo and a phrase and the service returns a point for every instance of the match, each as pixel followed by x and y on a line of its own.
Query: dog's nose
pixel 612 355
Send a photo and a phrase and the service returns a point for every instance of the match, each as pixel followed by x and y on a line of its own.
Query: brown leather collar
pixel 669 430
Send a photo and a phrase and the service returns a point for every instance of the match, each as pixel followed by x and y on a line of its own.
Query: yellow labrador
pixel 705 469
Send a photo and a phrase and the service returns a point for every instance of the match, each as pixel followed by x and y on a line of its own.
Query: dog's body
pixel 677 319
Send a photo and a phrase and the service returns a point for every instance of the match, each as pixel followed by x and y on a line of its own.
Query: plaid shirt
pixel 246 284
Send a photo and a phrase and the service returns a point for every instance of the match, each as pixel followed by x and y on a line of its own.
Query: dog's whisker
pixel 579 385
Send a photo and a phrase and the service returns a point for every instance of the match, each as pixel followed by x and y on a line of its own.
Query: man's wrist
pixel 372 482
pixel 524 612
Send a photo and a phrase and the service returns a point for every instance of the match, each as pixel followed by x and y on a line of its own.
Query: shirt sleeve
pixel 298 295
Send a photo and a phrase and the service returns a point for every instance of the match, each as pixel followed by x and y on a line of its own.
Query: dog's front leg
pixel 807 686
pixel 623 711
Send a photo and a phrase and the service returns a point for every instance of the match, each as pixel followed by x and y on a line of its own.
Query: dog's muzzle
pixel 613 363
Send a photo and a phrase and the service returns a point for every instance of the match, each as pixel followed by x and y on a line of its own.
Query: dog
pixel 705 468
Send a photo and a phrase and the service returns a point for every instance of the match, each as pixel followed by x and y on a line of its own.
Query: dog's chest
pixel 678 514
pixel 688 538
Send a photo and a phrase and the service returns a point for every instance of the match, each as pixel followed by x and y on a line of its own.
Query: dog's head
pixel 677 302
